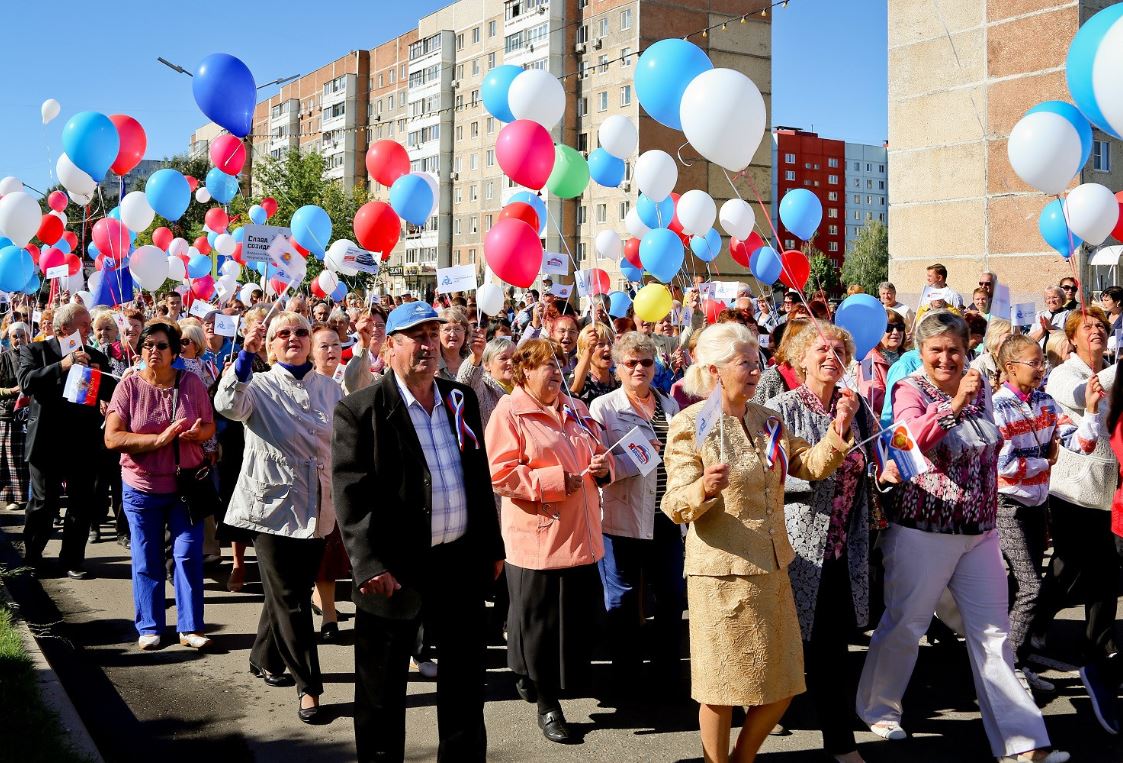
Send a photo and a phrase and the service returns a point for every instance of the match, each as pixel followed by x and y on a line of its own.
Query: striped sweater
pixel 1028 424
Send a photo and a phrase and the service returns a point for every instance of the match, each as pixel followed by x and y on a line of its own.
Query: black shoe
pixel 272 679
pixel 553 726
pixel 1102 695
pixel 124 542
pixel 329 633
pixel 309 715
pixel 317 611
pixel 77 574
pixel 525 687
pixel 94 536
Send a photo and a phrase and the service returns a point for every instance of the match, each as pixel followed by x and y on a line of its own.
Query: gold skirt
pixel 745 643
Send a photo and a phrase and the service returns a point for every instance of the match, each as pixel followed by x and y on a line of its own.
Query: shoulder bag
pixel 194 486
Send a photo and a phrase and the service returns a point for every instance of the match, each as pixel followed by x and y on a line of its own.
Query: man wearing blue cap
pixel 412 489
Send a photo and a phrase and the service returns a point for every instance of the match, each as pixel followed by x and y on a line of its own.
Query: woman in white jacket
pixel 283 495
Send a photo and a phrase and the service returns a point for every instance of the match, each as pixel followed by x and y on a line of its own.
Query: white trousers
pixel 918 567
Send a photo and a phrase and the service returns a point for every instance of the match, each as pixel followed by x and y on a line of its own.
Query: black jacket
pixel 383 496
pixel 58 430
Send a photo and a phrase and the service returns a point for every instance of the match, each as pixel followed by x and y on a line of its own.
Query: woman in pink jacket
pixel 547 460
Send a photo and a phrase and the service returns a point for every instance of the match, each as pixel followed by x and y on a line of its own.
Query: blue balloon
pixel 223 188
pixel 494 91
pixel 412 198
pixel 864 317
pixel 239 234
pixel 655 215
pixel 1080 68
pixel 311 228
pixel 16 268
pixel 631 272
pixel 259 267
pixel 662 74
pixel 708 247
pixel 535 201
pixel 115 213
pixel 168 193
pixel 619 303
pixel 340 292
pixel 224 89
pixel 257 214
pixel 765 264
pixel 1076 119
pixel 801 212
pixel 32 284
pixel 91 141
pixel 661 253
pixel 92 251
pixel 606 169
pixel 5 242
pixel 198 265
pixel 1054 229
pixel 63 246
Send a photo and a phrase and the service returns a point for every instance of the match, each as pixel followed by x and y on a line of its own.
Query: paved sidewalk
pixel 178 704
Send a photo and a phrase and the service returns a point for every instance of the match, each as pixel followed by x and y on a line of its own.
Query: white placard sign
pixel 226 325
pixel 1022 314
pixel 1000 302
pixel 37 317
pixel 706 290
pixel 456 278
pixel 360 260
pixel 200 309
pixel 724 290
pixel 556 263
pixel 255 246
pixel 581 281
pixel 58 271
pixel 561 290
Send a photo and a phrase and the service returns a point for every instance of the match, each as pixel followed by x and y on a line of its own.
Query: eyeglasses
pixel 1030 363
pixel 645 362
pixel 301 333
pixel 895 327
pixel 150 346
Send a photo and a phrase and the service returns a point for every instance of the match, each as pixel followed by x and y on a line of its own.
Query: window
pixel 337 84
pixel 391 75
pixel 869 201
pixel 602 100
pixel 456 227
pixel 475 66
pixel 582 33
pixel 857 214
pixel 626 95
pixel 491 29
pixel 513 42
pixel 832 212
pixel 832 230
pixel 473 224
pixel 491 157
pixel 490 125
pixel 832 247
pixel 857 166
pixel 582 249
pixel 474 129
pixel 603 27
pixel 473 192
pixel 338 110
pixel 460 132
pixel 460 42
pixel 459 102
pixel 881 185
pixel 381 80
pixel 789 175
pixel 1101 156
pixel 832 163
pixel 881 217
pixel 602 213
pixel 583 141
pixel 460 71
pixel 625 208
pixel 490 61
pixel 626 19
pixel 625 56
pixel 789 158
pixel 475 97
pixel 423 47
pixel 857 182
pixel 474 161
pixel 869 215
pixel 487 223
pixel 857 198
pixel 869 167
pixel 603 61
pixel 869 185
pixel 582 106
pixel 832 179
pixel 789 243
pixel 475 34
pixel 458 194
pixel 807 165
pixel 832 196
pixel 489 190
pixel 881 168
pixel 581 214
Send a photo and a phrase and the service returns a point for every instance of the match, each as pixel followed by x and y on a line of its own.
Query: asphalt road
pixel 178 704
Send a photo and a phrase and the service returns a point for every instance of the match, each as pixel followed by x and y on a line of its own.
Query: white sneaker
pixel 890 730
pixel 427 668
pixel 148 641
pixel 194 640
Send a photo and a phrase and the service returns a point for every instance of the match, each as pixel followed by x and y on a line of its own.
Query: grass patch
pixel 29 731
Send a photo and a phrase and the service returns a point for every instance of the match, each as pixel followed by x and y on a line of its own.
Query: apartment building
pixel 867 188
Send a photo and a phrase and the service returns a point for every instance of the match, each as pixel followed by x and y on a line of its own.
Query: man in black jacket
pixel 63 439
pixel 412 488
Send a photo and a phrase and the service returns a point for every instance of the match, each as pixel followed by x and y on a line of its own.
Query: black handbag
pixel 194 486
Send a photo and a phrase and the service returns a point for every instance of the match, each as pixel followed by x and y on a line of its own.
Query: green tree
pixel 824 273
pixel 867 262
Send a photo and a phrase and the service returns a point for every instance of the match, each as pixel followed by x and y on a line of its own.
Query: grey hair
pixel 939 322
pixel 716 346
pixel 66 315
pixel 495 347
pixel 19 326
pixel 1056 291
pixel 886 285
pixel 633 343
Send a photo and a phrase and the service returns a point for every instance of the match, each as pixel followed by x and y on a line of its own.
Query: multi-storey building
pixel 867 192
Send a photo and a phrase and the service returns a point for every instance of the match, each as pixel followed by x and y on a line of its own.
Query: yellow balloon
pixel 652 303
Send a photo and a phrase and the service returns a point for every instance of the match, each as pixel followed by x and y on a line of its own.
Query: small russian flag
pixel 82 384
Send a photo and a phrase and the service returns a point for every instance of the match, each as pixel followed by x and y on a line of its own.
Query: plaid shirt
pixel 442 457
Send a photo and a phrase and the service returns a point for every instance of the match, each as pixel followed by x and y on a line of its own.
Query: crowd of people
pixel 475 477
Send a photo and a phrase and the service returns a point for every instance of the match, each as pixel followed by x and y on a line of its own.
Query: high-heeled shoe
pixel 310 715
pixel 271 679
pixel 329 633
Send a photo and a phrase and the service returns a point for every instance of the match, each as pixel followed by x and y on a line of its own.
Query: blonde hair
pixel 1013 346
pixel 285 320
pixel 191 328
pixel 716 346
pixel 806 339
pixel 1054 346
pixel 792 329
pixel 997 331
pixel 600 331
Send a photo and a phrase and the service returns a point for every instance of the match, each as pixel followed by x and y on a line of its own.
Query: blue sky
pixel 829 63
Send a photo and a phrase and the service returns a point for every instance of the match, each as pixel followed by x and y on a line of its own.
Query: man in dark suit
pixel 63 439
pixel 412 488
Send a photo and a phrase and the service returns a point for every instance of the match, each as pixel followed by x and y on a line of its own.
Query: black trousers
pixel 1084 568
pixel 285 636
pixel 830 681
pixel 453 612
pixel 107 493
pixel 43 507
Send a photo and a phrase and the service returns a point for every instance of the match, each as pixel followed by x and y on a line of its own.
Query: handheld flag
pixel 69 344
pixel 897 443
pixel 708 417
pixel 639 449
pixel 82 384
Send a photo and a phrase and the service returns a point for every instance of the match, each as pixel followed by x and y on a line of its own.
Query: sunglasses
pixel 161 346
pixel 286 333
pixel 645 362
pixel 895 327
pixel 986 283
pixel 1068 288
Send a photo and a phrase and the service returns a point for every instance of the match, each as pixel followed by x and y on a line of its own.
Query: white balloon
pixel 178 247
pixel 328 281
pixel 10 184
pixel 618 136
pixel 535 94
pixel 149 267
pixel 489 299
pixel 608 244
pixel 59 215
pixel 1092 212
pixel 202 195
pixel 434 187
pixel 181 290
pixel 49 110
pixel 1045 151
pixel 136 214
pixel 20 217
pixel 192 251
pixel 737 218
pixel 697 212
pixel 637 227
pixel 225 244
pixel 81 199
pixel 247 292
pixel 723 117
pixel 333 260
pixel 72 178
pixel 94 284
pixel 231 269
pixel 177 271
pixel 656 174
pixel 74 283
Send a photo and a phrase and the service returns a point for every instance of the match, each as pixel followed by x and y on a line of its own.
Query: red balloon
pixel 520 210
pixel 795 269
pixel 377 227
pixel 51 257
pixel 514 251
pixel 599 282
pixel 675 225
pixel 111 238
pixel 631 252
pixel 73 262
pixel 99 263
pixel 278 285
pixel 203 245
pixel 203 287
pixel 228 153
pixel 217 220
pixel 1118 231
pixel 162 238
pixel 269 204
pixel 34 252
pixel 192 182
pixel 133 143
pixel 741 251
pixel 71 238
pixel 713 309
pixel 236 255
pixel 316 290
pixel 387 161
pixel 525 152
pixel 300 249
pixel 57 201
pixel 50 230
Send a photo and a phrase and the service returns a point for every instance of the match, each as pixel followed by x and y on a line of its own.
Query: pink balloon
pixel 526 153
pixel 228 153
pixel 162 238
pixel 57 201
pixel 217 220
pixel 202 288
pixel 111 238
pixel 514 251
pixel 51 257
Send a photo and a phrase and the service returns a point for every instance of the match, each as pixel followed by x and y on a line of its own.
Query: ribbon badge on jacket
pixel 774 450
pixel 455 403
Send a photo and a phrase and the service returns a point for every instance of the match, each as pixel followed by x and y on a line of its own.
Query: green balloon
pixel 570 174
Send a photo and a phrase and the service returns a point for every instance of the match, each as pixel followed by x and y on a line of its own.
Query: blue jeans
pixel 149 514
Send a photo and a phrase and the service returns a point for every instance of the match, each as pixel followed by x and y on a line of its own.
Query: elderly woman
pixel 124 352
pixel 283 494
pixel 454 342
pixel 782 376
pixel 1053 317
pixel 366 356
pixel 875 367
pixel 193 342
pixel 828 525
pixel 216 349
pixel 547 461
pixel 488 371
pixel 105 330
pixel 593 376
pixel 158 420
pixel 561 328
pixel 14 474
pixel 942 535
pixel 744 632
pixel 642 547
